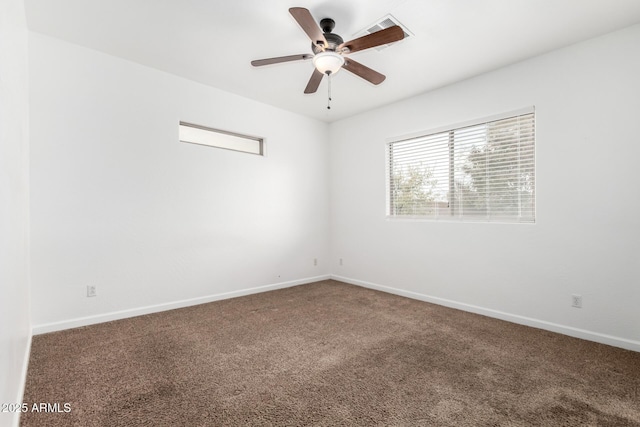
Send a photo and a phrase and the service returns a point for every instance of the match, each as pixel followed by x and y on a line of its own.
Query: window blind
pixel 484 171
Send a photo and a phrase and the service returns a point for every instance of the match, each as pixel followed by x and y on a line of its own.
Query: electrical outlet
pixel 576 301
pixel 91 291
pixel 315 261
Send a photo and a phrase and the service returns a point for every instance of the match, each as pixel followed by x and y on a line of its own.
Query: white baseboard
pixel 123 314
pixel 514 318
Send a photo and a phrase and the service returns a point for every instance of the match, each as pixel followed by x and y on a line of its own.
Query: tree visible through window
pixel 481 172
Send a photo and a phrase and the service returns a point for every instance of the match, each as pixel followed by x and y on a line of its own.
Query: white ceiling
pixel 213 41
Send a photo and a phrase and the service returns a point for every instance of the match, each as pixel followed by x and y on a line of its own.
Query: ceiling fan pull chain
pixel 329 101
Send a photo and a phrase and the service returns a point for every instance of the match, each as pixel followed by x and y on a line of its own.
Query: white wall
pixel 15 327
pixel 586 239
pixel 117 202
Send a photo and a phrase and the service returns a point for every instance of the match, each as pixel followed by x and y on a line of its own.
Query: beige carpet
pixel 327 353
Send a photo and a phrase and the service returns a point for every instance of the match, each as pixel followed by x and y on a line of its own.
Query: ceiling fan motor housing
pixel 334 40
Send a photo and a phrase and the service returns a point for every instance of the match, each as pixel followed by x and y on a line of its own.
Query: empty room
pixel 383 212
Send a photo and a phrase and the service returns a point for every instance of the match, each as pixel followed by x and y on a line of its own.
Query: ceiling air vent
pixel 382 23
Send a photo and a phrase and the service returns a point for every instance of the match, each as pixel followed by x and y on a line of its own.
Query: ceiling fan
pixel 329 49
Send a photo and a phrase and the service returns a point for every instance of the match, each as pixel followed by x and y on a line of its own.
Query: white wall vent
pixel 382 23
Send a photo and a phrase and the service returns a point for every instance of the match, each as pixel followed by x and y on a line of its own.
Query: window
pixel 483 171
pixel 196 134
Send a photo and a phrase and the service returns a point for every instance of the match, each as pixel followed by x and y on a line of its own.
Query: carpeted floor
pixel 327 353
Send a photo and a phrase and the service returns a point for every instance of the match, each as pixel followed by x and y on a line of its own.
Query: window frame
pixel 232 141
pixel 451 128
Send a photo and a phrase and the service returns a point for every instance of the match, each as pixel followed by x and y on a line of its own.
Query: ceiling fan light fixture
pixel 328 62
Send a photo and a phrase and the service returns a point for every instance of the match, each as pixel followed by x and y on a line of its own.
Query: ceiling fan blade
pixel 277 60
pixel 309 25
pixel 314 82
pixel 388 35
pixel 362 71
